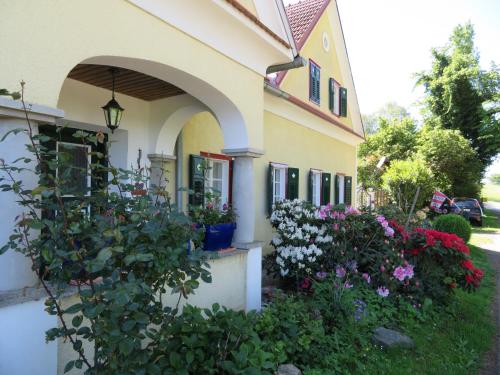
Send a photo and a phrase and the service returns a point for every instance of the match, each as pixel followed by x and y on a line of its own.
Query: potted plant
pixel 219 223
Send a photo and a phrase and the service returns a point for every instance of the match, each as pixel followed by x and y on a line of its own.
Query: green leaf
pixel 175 360
pixel 104 254
pixel 74 308
pixel 128 325
pixel 69 366
pixel 126 346
pixel 77 321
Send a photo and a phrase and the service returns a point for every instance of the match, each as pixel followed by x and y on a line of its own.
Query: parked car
pixel 470 209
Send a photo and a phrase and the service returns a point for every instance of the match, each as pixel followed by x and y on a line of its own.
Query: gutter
pixel 298 62
pixel 275 90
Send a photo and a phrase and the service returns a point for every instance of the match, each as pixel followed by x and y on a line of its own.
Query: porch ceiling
pixel 128 82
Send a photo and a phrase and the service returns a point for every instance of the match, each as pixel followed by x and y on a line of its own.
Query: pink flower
pixel 380 219
pixel 382 291
pixel 341 216
pixel 409 271
pixel 367 278
pixel 322 213
pixel 335 227
pixel 382 268
pixel 399 273
pixel 389 232
pixel 340 272
pixel 347 285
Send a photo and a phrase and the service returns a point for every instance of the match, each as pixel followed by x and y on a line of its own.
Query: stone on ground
pixel 389 338
pixel 288 369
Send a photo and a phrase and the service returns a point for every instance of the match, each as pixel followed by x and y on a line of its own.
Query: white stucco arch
pixel 229 117
pixel 165 143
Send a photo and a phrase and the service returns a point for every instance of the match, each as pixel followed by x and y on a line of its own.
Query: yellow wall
pixel 299 147
pixel 296 81
pixel 285 142
pixel 58 35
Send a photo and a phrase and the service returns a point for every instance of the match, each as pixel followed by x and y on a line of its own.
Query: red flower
pixel 467 264
pixel 469 279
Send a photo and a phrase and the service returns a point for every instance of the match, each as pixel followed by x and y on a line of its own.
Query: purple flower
pixel 409 271
pixel 225 206
pixel 321 275
pixel 322 213
pixel 351 211
pixel 399 273
pixel 341 216
pixel 340 272
pixel 382 291
pixel 352 265
pixel 389 232
pixel 380 219
pixel 367 278
pixel 347 285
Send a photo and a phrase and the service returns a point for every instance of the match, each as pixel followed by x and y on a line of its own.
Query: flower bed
pixel 313 243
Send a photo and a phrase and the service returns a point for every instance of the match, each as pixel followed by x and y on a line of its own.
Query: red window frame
pixel 230 159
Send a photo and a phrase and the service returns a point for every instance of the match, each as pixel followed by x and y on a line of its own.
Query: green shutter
pixel 196 180
pixel 348 190
pixel 270 190
pixel 343 102
pixel 314 82
pixel 331 94
pixel 310 187
pixel 337 188
pixel 292 186
pixel 326 181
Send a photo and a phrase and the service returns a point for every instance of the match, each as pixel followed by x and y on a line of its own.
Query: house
pixel 260 92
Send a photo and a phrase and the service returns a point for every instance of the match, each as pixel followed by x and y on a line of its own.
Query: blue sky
pixel 390 40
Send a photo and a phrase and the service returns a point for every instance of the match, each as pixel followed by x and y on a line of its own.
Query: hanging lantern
pixel 112 110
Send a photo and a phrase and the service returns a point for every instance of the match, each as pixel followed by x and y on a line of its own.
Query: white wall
pixel 23 350
pixel 15 269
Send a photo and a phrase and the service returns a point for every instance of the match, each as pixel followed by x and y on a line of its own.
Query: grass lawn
pixel 455 340
pixel 491 192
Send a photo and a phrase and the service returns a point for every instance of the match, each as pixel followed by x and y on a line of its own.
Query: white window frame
pixel 209 180
pixel 341 189
pixel 89 161
pixel 279 170
pixel 316 187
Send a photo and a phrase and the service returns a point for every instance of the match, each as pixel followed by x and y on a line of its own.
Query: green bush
pixel 455 224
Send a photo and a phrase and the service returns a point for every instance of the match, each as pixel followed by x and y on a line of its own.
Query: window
pixel 279 184
pixel 316 187
pixel 343 189
pixel 334 96
pixel 319 187
pixel 314 82
pixel 75 176
pixel 210 173
pixel 343 101
pixel 217 180
pixel 337 100
pixel 283 183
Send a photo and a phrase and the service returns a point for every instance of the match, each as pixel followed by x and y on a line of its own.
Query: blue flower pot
pixel 218 236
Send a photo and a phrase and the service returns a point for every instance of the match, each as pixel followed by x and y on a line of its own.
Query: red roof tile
pixel 302 17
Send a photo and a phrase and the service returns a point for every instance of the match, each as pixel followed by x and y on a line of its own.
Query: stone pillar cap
pixel 245 151
pixel 161 157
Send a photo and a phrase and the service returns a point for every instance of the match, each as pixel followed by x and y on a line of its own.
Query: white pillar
pixel 244 193
pixel 15 269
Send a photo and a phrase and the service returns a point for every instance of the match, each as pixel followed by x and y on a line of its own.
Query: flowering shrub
pixel 354 248
pixel 442 261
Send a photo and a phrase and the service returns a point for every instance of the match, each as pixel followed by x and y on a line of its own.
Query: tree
pixel 461 96
pixel 453 161
pixel 403 177
pixel 390 111
pixel 396 140
pixel 495 178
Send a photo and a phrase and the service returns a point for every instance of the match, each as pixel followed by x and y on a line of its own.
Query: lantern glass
pixel 113 114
